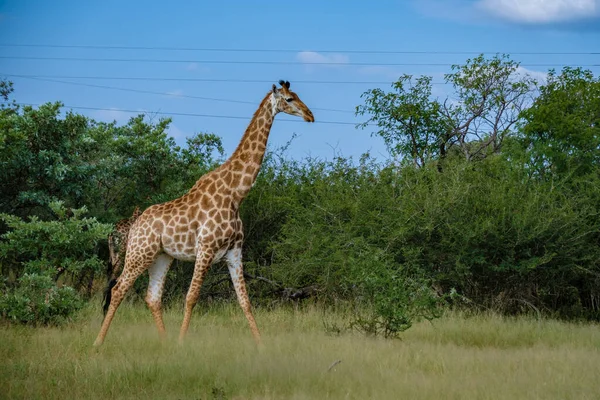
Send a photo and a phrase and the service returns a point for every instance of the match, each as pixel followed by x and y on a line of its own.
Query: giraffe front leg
pixel 203 262
pixel 158 273
pixel 236 270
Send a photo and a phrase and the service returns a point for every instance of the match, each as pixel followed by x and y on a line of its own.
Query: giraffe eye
pixel 289 99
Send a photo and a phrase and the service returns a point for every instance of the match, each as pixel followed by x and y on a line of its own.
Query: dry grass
pixel 486 357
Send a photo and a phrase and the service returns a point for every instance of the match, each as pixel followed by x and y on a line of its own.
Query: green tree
pixel 561 131
pixel 489 95
pixel 410 123
pixel 63 248
pixel 41 158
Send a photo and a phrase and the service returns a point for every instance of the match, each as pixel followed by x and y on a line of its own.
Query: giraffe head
pixel 284 100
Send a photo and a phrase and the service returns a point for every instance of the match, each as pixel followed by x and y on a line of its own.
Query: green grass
pixel 456 357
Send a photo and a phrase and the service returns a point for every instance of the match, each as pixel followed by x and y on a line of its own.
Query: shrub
pixel 37 300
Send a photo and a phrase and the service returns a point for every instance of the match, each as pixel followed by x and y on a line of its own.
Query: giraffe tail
pixel 108 291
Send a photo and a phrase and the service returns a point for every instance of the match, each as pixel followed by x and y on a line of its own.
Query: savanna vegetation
pixel 455 357
pixel 488 201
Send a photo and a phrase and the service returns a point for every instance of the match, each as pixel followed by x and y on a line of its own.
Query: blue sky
pixel 312 31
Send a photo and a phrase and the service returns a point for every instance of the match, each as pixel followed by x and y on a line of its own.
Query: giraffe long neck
pixel 246 160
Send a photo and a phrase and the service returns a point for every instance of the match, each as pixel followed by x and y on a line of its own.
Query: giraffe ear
pixel 274 89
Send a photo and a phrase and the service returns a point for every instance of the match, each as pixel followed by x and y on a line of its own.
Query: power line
pixel 184 114
pixel 160 60
pixel 160 93
pixel 137 78
pixel 255 50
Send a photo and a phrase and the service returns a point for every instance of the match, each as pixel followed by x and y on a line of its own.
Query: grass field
pixel 456 357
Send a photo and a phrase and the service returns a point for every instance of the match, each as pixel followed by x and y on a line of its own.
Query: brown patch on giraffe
pixel 158 225
pixel 212 188
pixel 193 197
pixel 227 178
pixel 205 202
pixel 237 177
pixel 237 165
pixel 218 219
pixel 257 158
pixel 247 181
pixel 191 240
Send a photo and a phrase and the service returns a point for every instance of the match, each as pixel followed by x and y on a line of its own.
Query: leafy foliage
pixel 40 159
pixel 37 300
pixel 562 128
pixel 410 123
pixel 62 247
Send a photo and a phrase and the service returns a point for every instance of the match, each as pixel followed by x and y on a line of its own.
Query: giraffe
pixel 204 224
pixel 117 244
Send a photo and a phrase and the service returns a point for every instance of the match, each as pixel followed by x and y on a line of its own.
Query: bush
pixel 65 247
pixel 38 301
pixel 488 231
pixel 389 298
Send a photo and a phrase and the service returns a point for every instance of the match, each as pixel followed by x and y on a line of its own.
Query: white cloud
pixel 540 11
pixel 192 66
pixel 539 76
pixel 175 93
pixel 312 57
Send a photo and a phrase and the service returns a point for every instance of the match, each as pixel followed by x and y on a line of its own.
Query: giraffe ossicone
pixel 204 224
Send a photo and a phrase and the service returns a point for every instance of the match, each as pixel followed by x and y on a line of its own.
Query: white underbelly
pixel 182 255
pixel 187 255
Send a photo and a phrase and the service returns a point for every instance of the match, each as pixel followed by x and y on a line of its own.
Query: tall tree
pixel 562 128
pixel 409 121
pixel 488 96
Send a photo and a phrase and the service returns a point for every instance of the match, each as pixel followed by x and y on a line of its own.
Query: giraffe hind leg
pixel 134 266
pixel 236 270
pixel 158 273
